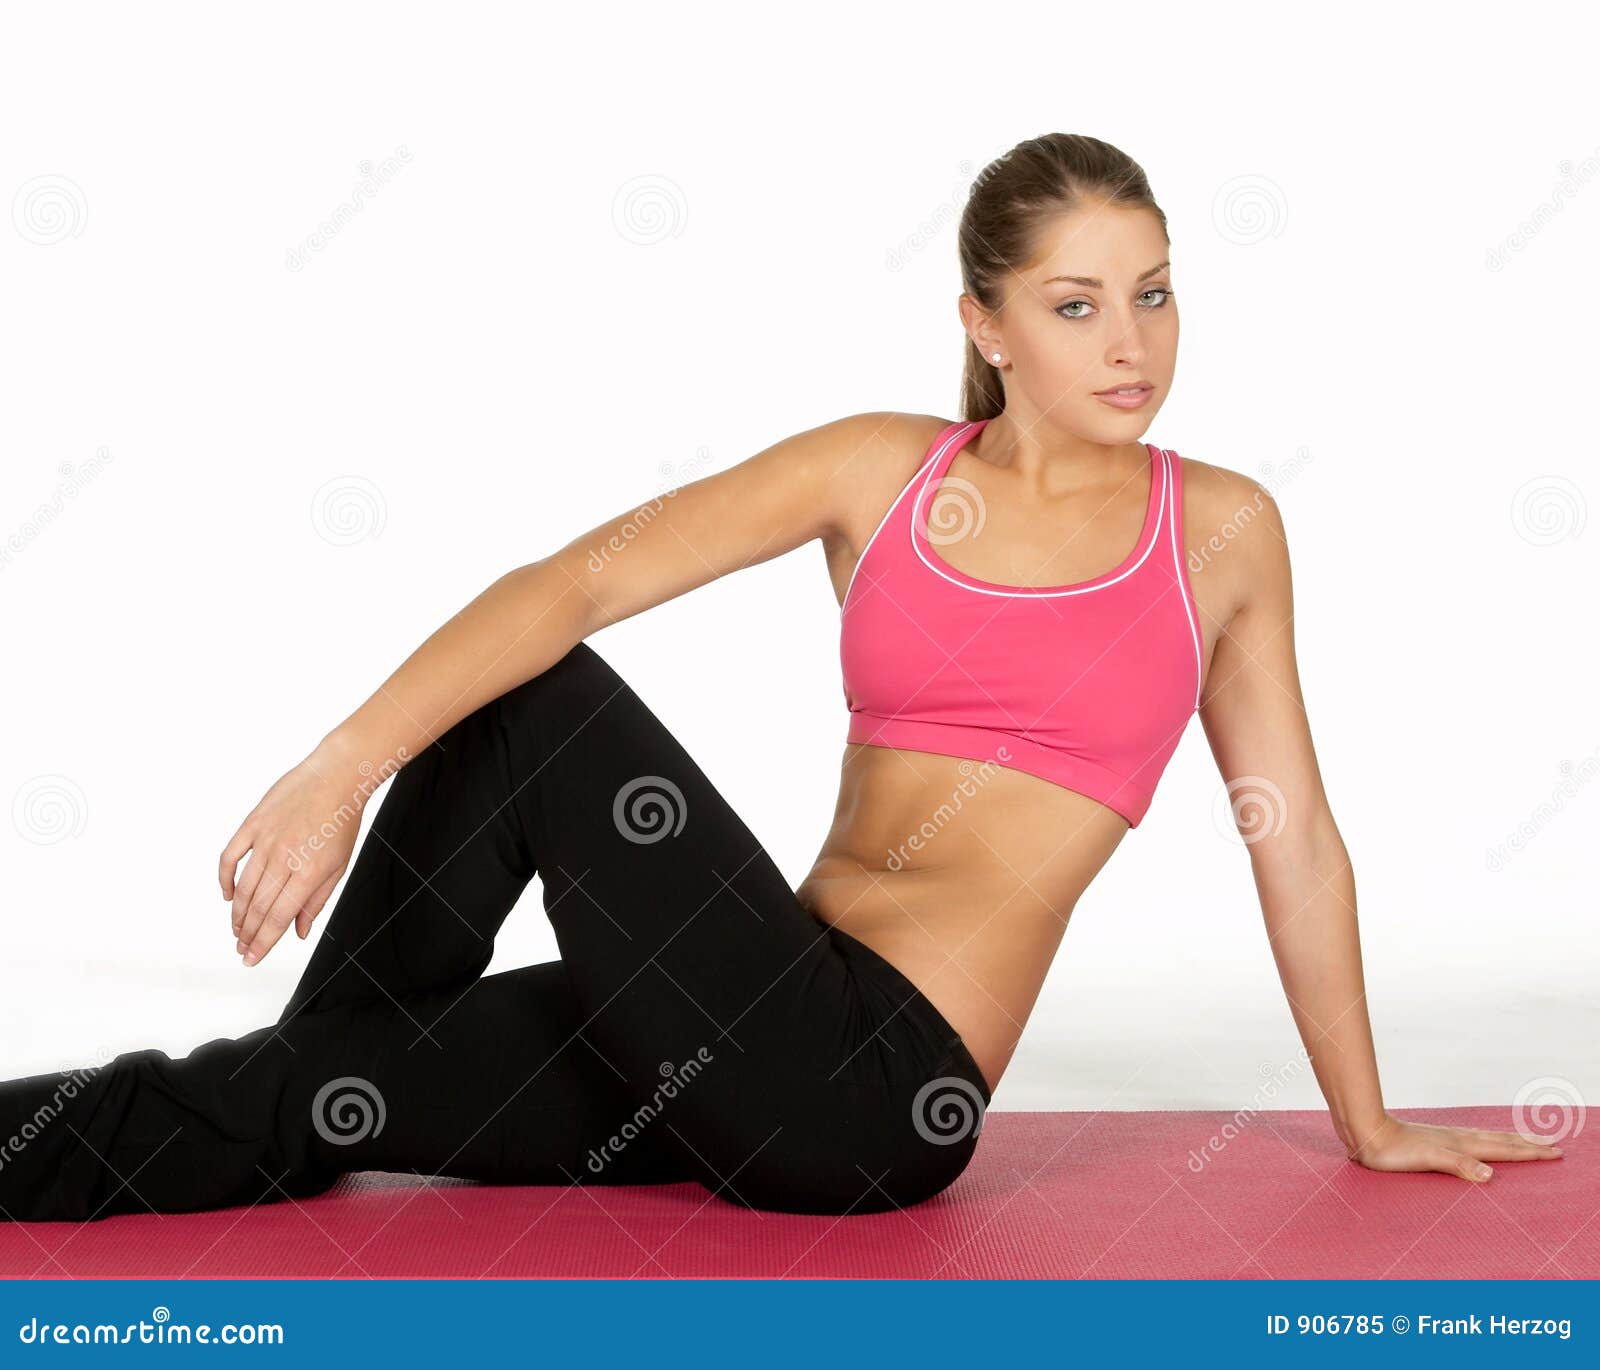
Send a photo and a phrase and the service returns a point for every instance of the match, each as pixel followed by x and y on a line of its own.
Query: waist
pixel 901 998
pixel 987 750
pixel 962 877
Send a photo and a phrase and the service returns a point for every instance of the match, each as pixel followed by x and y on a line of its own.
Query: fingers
pixel 266 887
pixel 256 892
pixel 1460 1163
pixel 264 936
pixel 307 915
pixel 1509 1146
pixel 244 891
pixel 231 856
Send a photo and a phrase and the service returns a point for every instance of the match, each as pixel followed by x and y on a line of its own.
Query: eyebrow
pixel 1096 283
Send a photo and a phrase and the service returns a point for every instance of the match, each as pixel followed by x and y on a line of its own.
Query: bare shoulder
pixel 878 453
pixel 1233 533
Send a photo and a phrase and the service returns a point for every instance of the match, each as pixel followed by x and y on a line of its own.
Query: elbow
pixel 1311 845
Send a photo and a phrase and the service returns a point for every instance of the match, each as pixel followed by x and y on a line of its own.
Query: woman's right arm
pixel 806 486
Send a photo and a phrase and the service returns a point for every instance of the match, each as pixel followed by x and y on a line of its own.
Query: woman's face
pixel 1093 310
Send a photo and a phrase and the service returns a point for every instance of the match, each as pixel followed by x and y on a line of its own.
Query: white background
pixel 512 342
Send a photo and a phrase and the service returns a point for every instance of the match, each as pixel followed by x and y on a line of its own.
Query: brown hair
pixel 1010 201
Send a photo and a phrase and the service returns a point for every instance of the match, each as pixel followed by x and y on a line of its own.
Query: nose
pixel 1126 347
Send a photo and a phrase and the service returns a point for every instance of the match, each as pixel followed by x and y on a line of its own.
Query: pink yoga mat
pixel 1048 1196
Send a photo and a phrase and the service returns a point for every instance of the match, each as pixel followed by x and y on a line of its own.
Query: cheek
pixel 1058 353
pixel 1162 343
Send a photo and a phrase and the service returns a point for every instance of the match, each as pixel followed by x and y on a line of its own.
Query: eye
pixel 1080 309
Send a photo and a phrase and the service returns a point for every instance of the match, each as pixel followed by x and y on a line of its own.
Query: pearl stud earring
pixel 994 357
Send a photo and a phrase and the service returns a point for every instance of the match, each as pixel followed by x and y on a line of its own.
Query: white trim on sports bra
pixel 1150 527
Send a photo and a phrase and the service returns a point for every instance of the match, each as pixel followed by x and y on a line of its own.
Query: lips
pixel 1134 396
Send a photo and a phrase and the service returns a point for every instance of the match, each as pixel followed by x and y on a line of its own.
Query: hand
pixel 301 835
pixel 1396 1145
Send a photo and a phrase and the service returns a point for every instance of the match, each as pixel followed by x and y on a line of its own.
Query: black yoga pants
pixel 701 1025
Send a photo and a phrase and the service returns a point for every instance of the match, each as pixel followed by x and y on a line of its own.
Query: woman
pixel 1033 603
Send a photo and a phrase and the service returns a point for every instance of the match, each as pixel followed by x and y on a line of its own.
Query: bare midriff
pixel 962 875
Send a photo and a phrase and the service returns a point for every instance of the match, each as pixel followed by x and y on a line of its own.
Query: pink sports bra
pixel 1089 686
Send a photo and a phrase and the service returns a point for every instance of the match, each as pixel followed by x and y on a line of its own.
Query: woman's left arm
pixel 1255 721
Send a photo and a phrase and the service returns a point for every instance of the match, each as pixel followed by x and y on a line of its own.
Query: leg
pixel 778 1063
pixel 391 1000
pixel 700 1013
pixel 682 941
pixel 685 943
pixel 494 1083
